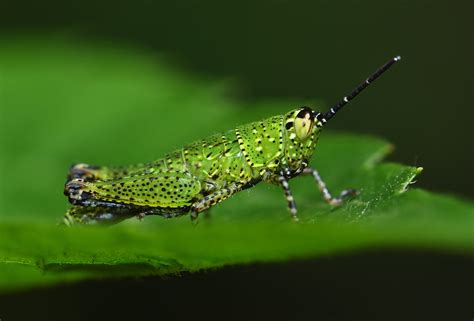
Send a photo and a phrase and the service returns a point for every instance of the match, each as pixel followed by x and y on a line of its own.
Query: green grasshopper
pixel 209 171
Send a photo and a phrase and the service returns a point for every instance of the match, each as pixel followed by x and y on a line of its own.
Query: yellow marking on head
pixel 303 125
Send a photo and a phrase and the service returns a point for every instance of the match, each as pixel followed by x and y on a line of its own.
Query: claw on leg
pixel 140 216
pixel 194 217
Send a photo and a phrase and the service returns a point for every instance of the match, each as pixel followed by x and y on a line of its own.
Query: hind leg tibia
pixel 80 215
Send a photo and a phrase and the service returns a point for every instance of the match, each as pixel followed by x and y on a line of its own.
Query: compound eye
pixel 304 123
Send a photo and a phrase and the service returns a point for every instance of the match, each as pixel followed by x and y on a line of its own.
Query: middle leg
pixel 212 199
pixel 289 197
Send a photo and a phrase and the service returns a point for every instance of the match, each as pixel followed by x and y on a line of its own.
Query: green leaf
pixel 63 103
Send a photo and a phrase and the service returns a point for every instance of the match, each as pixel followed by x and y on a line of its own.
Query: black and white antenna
pixel 359 89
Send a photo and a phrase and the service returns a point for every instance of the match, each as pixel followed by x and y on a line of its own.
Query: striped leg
pixel 212 199
pixel 289 197
pixel 80 215
pixel 324 190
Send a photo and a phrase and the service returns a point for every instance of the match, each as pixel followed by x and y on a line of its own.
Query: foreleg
pixel 325 191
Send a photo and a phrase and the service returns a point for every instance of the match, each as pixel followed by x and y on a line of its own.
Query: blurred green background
pixel 286 52
pixel 308 51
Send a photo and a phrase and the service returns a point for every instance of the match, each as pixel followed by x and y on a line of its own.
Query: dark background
pixel 308 50
pixel 376 285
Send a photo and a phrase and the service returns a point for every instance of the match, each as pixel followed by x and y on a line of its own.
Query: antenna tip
pixel 397 58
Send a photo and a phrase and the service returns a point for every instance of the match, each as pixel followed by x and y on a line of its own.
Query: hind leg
pixel 92 173
pixel 166 189
pixel 81 215
pixel 87 215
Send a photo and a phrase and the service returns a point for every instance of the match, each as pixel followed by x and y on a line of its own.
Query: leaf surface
pixel 65 103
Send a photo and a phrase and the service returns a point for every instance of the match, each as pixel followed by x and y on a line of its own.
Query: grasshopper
pixel 209 171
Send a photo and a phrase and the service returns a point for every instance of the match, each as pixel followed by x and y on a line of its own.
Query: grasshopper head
pixel 302 128
pixel 304 122
pixel 303 125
